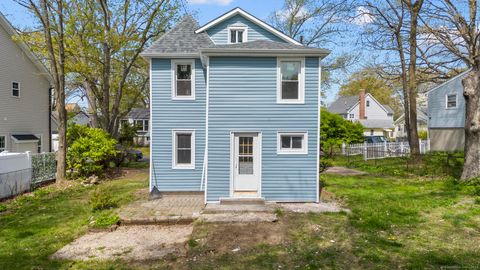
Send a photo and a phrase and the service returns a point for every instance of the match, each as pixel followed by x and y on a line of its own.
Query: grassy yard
pixel 35 225
pixel 406 222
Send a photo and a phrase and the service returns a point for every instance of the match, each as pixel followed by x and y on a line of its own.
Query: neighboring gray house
pixel 401 130
pixel 446 111
pixel 376 118
pixel 235 111
pixel 24 96
pixel 140 118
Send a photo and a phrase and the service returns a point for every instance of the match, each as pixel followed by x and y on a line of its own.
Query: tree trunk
pixel 92 104
pixel 471 92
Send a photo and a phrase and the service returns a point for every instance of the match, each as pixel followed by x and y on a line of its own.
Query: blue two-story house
pixel 446 115
pixel 234 111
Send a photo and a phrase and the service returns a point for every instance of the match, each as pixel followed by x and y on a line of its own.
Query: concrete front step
pixel 218 208
pixel 242 201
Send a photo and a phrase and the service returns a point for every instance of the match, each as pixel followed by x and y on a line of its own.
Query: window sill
pixel 186 167
pixel 290 102
pixel 300 152
pixel 184 98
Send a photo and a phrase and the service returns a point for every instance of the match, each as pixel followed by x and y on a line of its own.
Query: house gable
pixel 218 29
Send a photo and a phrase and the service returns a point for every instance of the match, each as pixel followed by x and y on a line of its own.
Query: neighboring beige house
pixel 422 124
pixel 376 118
pixel 24 96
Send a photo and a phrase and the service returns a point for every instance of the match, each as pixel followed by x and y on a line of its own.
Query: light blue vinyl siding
pixel 168 114
pixel 440 116
pixel 219 33
pixel 243 98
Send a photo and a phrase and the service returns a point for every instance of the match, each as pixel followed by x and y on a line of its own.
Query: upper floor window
pixel 451 101
pixel 352 116
pixel 290 84
pixel 16 89
pixel 368 103
pixel 183 83
pixel 237 34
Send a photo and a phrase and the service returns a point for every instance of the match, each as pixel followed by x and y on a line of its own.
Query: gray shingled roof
pixel 376 123
pixel 181 39
pixel 343 104
pixel 139 113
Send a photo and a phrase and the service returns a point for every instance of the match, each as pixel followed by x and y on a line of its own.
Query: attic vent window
pixel 237 34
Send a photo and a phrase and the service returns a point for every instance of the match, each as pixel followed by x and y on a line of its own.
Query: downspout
pixel 50 89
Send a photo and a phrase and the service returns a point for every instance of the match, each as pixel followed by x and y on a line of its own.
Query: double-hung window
pixel 292 143
pixel 3 144
pixel 451 101
pixel 15 89
pixel 141 125
pixel 290 81
pixel 183 83
pixel 237 34
pixel 183 149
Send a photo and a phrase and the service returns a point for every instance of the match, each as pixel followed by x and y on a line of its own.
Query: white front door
pixel 246 162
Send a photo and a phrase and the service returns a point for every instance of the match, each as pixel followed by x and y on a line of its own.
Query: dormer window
pixel 237 34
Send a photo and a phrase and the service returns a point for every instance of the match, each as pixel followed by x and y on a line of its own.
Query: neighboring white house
pixel 401 130
pixel 24 96
pixel 376 118
pixel 140 118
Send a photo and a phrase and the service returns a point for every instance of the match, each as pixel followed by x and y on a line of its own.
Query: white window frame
pixel 235 28
pixel 190 166
pixel 456 101
pixel 5 141
pixel 19 89
pixel 301 151
pixel 174 64
pixel 301 82
pixel 143 125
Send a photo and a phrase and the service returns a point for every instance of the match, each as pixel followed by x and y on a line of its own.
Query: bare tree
pixel 453 26
pixel 50 14
pixel 318 23
pixel 393 29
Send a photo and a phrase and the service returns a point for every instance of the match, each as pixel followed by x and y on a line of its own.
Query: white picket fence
pixel 383 150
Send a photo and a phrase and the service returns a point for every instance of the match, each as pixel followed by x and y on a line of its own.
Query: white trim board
pixel 317 141
pixel 251 18
pixel 150 185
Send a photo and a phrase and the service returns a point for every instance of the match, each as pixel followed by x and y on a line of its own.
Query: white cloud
pixel 210 2
pixel 362 17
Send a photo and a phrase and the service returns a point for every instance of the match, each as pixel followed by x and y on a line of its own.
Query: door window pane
pixel 245 155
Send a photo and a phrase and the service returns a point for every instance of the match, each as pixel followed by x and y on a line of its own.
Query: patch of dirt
pixel 323 207
pixel 130 243
pixel 343 171
pixel 221 238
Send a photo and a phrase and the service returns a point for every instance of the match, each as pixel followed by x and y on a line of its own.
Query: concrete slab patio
pixel 170 209
pixel 132 243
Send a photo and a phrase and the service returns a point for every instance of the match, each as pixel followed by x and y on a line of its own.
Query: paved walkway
pixel 343 171
pixel 171 208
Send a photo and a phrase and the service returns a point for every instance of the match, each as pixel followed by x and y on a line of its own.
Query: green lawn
pixel 395 222
pixel 35 225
